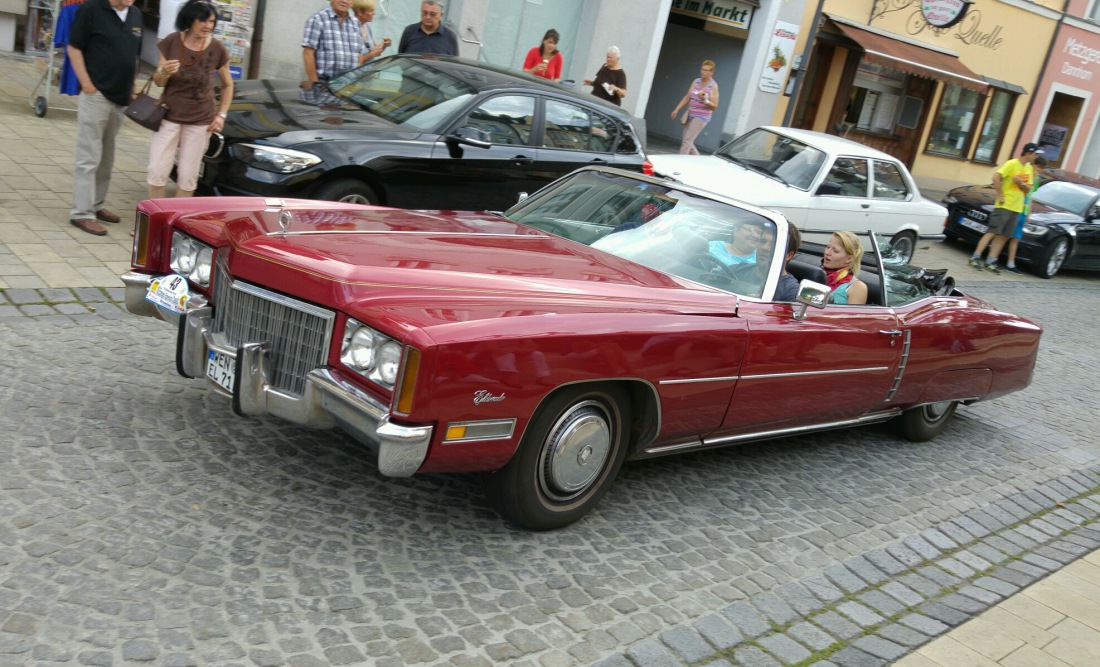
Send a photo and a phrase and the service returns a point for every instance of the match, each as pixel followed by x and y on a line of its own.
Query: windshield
pixel 777 156
pixel 404 92
pixel 1067 196
pixel 658 226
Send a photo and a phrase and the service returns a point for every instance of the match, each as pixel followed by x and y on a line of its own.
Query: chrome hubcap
pixel 355 199
pixel 1057 257
pixel 936 411
pixel 576 451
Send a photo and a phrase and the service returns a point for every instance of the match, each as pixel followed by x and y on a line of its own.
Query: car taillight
pixel 647 167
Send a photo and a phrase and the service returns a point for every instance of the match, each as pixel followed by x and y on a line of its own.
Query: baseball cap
pixel 1033 148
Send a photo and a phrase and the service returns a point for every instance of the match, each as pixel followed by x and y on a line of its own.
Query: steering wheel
pixel 712 265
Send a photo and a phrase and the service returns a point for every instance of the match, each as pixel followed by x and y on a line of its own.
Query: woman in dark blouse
pixel 610 81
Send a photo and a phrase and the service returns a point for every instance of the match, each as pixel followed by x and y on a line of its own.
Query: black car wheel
pixel 904 245
pixel 347 190
pixel 1054 256
pixel 567 459
pixel 926 421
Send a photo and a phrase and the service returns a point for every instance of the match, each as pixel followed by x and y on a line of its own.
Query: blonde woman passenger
pixel 841 264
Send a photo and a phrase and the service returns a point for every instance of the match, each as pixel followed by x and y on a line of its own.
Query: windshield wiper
pixel 757 168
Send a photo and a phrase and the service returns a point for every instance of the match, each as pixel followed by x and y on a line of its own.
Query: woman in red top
pixel 545 60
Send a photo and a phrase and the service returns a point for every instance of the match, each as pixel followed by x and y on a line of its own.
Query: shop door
pixel 682 52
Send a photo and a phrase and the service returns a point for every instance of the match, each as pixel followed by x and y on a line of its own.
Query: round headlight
pixel 361 349
pixel 204 262
pixel 389 358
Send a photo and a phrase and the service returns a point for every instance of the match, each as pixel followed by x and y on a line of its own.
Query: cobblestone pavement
pixel 141 522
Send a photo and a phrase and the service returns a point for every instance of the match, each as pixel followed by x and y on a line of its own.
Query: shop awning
pixel 1005 85
pixel 910 58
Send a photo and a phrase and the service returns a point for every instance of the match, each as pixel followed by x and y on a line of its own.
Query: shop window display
pixel 954 121
pixel 994 126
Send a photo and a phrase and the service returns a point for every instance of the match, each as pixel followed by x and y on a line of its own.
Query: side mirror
pixel 811 294
pixel 471 136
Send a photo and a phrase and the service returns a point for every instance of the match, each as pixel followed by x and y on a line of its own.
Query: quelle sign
pixel 944 13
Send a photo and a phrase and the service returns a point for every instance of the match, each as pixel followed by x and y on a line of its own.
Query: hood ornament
pixel 284 221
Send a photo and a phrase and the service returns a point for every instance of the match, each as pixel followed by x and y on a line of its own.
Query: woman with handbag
pixel 701 100
pixel 188 60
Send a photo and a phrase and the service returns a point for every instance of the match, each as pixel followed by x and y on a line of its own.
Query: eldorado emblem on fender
pixel 485 396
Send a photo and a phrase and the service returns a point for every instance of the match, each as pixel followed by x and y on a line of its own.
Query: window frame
pixel 968 148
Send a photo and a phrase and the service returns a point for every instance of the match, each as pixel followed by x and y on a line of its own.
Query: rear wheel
pixel 568 458
pixel 1054 256
pixel 926 421
pixel 347 190
pixel 904 245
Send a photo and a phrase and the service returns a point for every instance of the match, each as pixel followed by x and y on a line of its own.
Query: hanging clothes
pixel 68 83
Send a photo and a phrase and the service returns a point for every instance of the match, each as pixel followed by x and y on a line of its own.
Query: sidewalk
pixel 39 249
pixel 1053 622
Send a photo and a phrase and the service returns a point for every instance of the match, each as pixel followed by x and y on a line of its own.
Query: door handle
pixel 865 206
pixel 597 160
pixel 523 159
pixel 893 333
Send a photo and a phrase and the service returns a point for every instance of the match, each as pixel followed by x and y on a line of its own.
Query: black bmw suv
pixel 415 132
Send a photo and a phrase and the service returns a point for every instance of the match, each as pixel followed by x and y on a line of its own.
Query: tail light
pixel 647 167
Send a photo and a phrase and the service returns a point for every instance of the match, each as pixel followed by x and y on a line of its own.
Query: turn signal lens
pixel 141 239
pixel 410 369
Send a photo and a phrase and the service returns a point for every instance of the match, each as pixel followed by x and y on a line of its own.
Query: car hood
pixel 719 175
pixel 984 197
pixel 438 266
pixel 270 108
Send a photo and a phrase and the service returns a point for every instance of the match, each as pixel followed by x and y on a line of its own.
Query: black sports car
pixel 426 132
pixel 1062 232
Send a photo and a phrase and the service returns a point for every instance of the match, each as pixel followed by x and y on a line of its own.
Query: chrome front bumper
pixel 327 402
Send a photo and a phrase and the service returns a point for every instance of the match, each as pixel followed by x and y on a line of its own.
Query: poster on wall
pixel 1051 140
pixel 780 52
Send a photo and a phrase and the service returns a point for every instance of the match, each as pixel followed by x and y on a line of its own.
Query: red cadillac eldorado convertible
pixel 595 322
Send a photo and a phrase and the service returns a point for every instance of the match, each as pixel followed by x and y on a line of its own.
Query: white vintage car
pixel 818 181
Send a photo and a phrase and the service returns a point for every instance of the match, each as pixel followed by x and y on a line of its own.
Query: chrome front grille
pixel 297 333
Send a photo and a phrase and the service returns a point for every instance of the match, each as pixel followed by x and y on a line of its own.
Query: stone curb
pixel 876 608
pixel 59 304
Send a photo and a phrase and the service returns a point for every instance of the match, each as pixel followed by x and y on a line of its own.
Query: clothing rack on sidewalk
pixel 54 23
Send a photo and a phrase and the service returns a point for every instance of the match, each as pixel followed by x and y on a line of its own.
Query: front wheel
pixel 1053 258
pixel 904 245
pixel 347 190
pixel 925 422
pixel 566 461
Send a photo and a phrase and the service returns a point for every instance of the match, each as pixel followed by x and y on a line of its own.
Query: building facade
pixel 663 43
pixel 944 85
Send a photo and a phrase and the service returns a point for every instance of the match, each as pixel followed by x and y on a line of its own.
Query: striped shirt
pixel 696 108
pixel 337 47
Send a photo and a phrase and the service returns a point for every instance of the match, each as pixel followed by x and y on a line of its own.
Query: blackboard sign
pixel 910 112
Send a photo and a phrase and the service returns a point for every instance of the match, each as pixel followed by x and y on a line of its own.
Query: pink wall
pixel 1074 63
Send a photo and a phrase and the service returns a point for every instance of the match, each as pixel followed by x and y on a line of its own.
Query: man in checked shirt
pixel 332 42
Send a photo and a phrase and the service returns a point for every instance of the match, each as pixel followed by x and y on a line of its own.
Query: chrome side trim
pixel 901 365
pixel 729 378
pixel 774 433
pixel 841 371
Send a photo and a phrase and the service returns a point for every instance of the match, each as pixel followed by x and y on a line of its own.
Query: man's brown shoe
pixel 107 216
pixel 88 225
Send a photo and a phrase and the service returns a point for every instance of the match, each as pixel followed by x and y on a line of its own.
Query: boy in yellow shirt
pixel 1012 183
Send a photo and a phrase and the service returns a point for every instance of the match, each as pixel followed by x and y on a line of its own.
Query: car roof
pixel 1070 176
pixel 831 143
pixel 485 77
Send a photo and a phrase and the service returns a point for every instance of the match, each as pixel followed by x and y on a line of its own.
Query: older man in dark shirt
pixel 430 35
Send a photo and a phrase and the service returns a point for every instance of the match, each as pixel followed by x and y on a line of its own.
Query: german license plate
pixel 973 224
pixel 221 368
